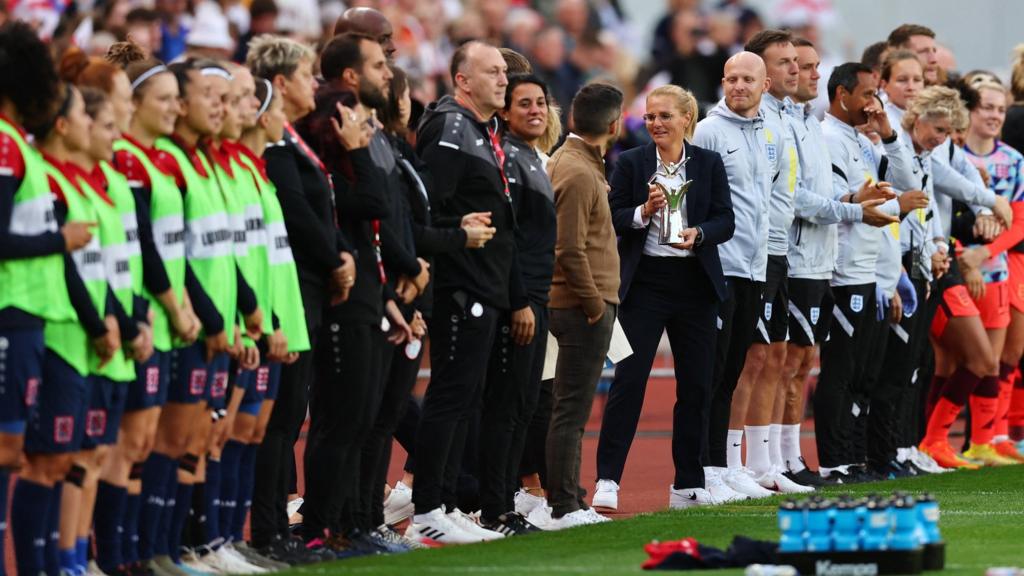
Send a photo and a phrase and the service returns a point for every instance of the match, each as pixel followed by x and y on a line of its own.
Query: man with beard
pixel 346 390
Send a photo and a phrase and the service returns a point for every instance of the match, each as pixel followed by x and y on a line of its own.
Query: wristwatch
pixel 700 237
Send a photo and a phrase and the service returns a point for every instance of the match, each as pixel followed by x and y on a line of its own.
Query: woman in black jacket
pixel 670 282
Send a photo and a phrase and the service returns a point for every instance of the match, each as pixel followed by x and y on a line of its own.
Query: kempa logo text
pixel 827 568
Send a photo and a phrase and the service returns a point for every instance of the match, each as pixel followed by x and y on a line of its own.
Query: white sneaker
pixel 229 549
pixel 689 497
pixel 540 517
pixel 843 470
pixel 597 518
pixel 526 502
pixel 93 569
pixel 223 561
pixel 606 495
pixel 572 520
pixel 742 480
pixel 721 493
pixel 398 505
pixel 435 526
pixel 467 524
pixel 775 481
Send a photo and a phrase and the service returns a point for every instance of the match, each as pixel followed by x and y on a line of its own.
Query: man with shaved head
pixel 459 144
pixel 370 22
pixel 735 129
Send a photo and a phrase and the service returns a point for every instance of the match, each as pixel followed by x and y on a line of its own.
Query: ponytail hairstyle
pixel 125 53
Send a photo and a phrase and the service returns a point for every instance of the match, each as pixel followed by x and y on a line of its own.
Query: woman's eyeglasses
pixel 664 117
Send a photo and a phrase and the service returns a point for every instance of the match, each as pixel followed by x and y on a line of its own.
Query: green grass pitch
pixel 982 521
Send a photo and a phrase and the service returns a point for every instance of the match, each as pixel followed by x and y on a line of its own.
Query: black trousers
pixel 896 385
pixel 673 295
pixel 534 457
pixel 864 388
pixel 401 374
pixel 462 332
pixel 405 433
pixel 343 404
pixel 275 456
pixel 737 320
pixel 843 357
pixel 510 398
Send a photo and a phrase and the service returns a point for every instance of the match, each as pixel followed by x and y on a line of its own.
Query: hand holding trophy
pixel 670 217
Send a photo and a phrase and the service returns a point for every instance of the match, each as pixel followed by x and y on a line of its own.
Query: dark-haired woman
pixel 513 382
pixel 60 419
pixel 35 259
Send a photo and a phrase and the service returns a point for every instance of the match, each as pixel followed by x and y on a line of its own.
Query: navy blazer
pixel 708 205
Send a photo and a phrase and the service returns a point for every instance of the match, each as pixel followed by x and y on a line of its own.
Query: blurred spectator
pixel 521 26
pixel 550 63
pixel 174 27
pixel 874 55
pixel 573 16
pixel 262 20
pixel 142 26
pixel 687 66
pixel 210 35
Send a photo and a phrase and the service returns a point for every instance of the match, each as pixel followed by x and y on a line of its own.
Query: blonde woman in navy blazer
pixel 674 287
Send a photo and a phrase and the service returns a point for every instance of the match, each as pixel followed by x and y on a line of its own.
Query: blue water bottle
pixel 904 535
pixel 876 525
pixel 819 526
pixel 846 526
pixel 791 524
pixel 928 517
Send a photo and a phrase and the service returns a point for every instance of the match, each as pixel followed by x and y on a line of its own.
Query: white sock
pixel 733 450
pixel 758 458
pixel 790 445
pixel 775 445
pixel 1000 438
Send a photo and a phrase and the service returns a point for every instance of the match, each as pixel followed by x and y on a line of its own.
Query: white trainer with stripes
pixel 436 527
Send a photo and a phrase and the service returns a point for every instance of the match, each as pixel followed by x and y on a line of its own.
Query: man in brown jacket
pixel 584 292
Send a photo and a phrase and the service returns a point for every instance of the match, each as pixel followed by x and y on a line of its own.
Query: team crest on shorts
pixel 31 391
pixel 152 380
pixel 95 423
pixel 856 302
pixel 767 310
pixel 197 382
pixel 63 429
pixel 262 378
pixel 815 314
pixel 220 385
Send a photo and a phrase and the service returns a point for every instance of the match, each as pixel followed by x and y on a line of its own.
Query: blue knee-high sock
pixel 246 480
pixel 211 500
pixel 51 555
pixel 30 514
pixel 130 529
pixel 108 521
pixel 230 461
pixel 182 505
pixel 82 553
pixel 162 545
pixel 155 477
pixel 5 478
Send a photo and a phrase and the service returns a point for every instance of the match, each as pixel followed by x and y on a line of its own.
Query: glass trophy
pixel 670 216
